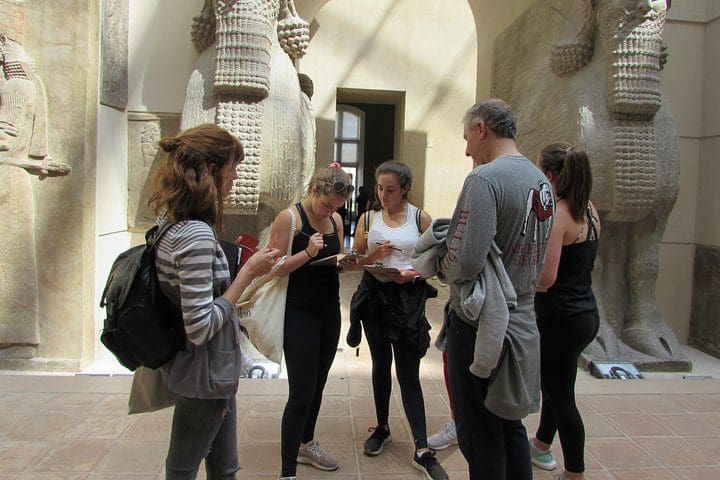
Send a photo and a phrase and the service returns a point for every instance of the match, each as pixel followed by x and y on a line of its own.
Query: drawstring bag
pixel 261 307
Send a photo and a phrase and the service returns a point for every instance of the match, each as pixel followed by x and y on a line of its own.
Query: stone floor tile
pixel 261 429
pixel 452 460
pixel 639 425
pixel 713 418
pixel 658 403
pixel 52 476
pixel 23 403
pixel 71 403
pixel 360 387
pixel 134 457
pixel 674 451
pixel 105 426
pixel 335 406
pixel 707 402
pixel 619 453
pixel 264 405
pixel 17 456
pixel 124 476
pixel 150 427
pixel 435 405
pixel 8 421
pixel 688 424
pixel 710 446
pixel 43 427
pixel 70 455
pixel 334 429
pixel 600 475
pixel 112 404
pixel 697 473
pixel 611 404
pixel 259 458
pixel 644 474
pixel 598 426
pixel 364 406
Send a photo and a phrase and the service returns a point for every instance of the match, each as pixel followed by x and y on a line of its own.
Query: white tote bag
pixel 261 307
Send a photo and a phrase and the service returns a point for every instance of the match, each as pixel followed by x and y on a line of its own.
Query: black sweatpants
pixel 562 340
pixel 310 344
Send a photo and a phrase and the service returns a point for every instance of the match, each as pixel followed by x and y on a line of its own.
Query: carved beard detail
pixel 634 73
pixel 243 49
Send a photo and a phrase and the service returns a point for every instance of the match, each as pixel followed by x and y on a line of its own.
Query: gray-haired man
pixel 507 200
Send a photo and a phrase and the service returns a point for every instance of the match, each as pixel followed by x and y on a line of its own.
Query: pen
pixel 308 236
pixel 394 248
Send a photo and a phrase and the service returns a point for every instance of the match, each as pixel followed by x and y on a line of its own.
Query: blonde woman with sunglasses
pixel 312 313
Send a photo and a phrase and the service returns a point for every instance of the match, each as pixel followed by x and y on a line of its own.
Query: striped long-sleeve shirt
pixel 193 272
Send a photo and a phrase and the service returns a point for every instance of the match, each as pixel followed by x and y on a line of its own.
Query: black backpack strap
pixel 418 219
pixel 154 235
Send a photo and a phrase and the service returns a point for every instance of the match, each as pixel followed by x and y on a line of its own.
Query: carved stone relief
pixel 23 152
pixel 114 53
pixel 254 93
pixel 600 90
pixel 144 132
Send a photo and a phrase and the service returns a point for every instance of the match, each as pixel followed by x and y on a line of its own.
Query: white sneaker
pixel 444 438
pixel 542 458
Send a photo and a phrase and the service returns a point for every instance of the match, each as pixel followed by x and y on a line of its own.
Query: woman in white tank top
pixel 391 309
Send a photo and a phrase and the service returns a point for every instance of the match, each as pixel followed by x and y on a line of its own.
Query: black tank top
pixel 314 289
pixel 572 294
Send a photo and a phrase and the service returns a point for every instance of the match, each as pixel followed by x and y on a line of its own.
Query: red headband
pixel 334 165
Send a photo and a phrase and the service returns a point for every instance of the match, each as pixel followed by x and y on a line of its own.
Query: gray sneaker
pixel 312 454
pixel 444 438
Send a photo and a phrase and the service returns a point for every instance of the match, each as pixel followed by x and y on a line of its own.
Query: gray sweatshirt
pixel 510 202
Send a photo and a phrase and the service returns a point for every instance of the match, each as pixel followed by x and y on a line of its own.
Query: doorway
pixel 367 126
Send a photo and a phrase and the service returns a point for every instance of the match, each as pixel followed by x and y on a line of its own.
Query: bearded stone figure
pixel 245 82
pixel 23 151
pixel 588 73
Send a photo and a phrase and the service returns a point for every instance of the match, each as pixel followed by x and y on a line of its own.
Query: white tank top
pixel 403 237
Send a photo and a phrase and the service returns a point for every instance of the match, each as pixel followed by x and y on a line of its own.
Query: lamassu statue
pixel 245 82
pixel 588 73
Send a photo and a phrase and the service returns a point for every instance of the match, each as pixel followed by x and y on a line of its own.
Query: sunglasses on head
pixel 341 187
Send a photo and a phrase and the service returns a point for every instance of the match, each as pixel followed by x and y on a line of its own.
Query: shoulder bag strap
pixel 292 231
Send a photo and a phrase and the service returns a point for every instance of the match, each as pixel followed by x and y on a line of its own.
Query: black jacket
pixel 400 308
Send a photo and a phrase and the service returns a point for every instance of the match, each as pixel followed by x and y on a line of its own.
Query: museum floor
pixel 60 427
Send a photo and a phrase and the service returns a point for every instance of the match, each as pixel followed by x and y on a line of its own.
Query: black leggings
pixel 310 344
pixel 562 340
pixel 407 369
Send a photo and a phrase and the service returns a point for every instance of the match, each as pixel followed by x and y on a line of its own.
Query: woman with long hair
pixel 312 312
pixel 190 187
pixel 392 309
pixel 566 310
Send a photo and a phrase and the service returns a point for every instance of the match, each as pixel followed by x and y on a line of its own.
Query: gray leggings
pixel 203 429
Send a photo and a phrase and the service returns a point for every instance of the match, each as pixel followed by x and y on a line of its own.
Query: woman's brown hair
pixel 404 175
pixel 189 183
pixel 573 175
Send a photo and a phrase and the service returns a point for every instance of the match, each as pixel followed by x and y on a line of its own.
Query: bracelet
pixel 308 254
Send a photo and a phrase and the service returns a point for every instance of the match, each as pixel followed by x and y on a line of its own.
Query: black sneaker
pixel 428 465
pixel 375 443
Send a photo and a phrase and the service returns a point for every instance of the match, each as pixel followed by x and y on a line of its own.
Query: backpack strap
pixel 154 235
pixel 367 222
pixel 418 219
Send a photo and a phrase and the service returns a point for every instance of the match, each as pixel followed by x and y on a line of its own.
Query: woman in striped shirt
pixel 190 187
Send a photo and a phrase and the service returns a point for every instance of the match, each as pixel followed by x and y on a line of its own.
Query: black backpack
pixel 142 327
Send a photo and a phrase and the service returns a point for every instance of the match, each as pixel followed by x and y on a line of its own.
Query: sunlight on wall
pixel 425 49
